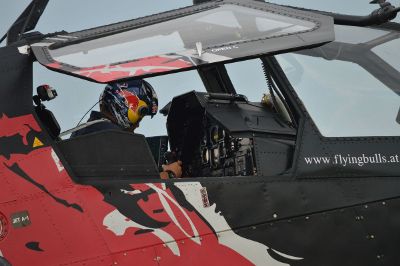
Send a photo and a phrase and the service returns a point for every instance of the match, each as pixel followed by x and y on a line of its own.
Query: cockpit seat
pixel 109 155
pixel 49 121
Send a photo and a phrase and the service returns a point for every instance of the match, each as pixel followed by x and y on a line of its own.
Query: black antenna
pixel 26 21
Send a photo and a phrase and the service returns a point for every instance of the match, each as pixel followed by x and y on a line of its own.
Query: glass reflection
pixel 225 25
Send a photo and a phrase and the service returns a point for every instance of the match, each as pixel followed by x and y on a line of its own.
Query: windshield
pixel 225 25
pixel 389 52
pixel 350 89
pixel 181 40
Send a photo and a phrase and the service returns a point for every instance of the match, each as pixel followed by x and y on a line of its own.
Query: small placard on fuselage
pixel 20 219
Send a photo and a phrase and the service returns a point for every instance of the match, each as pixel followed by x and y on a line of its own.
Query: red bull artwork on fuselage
pixel 168 223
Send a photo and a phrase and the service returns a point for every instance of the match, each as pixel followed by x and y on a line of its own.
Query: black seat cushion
pixel 109 154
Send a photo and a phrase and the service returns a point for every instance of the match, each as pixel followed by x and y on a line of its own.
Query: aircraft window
pixel 77 96
pixel 266 24
pixel 343 99
pixel 389 52
pixel 355 35
pixel 168 87
pixel 174 36
pixel 248 79
pixel 224 18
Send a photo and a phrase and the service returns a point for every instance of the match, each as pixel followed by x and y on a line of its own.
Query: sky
pixel 77 96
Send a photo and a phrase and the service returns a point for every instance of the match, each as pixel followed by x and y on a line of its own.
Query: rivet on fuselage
pixel 370 236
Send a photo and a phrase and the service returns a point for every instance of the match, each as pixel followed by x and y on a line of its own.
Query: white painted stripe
pixel 287 256
pixel 252 250
pixel 118 224
pixel 163 195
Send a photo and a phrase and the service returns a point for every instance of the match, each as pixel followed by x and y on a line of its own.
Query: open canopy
pixel 183 39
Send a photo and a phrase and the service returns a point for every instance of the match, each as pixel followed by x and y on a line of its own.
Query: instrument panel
pixel 220 154
pixel 217 135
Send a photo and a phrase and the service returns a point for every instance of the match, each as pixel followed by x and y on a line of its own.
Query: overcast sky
pixel 77 96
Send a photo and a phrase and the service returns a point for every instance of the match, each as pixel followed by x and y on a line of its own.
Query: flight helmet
pixel 128 102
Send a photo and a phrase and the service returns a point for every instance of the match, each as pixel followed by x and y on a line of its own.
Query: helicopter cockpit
pixel 218 131
pixel 215 133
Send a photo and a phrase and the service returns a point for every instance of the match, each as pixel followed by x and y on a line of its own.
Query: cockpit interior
pixel 215 134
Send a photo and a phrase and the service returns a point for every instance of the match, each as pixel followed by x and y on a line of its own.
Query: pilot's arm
pixel 173 170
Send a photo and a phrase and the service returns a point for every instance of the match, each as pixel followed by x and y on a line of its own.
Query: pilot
pixel 122 106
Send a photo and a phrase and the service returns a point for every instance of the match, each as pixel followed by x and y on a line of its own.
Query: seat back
pixel 109 155
pixel 49 121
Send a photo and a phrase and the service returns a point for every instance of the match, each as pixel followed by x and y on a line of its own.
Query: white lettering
pixel 308 160
pixel 225 48
pixel 349 160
